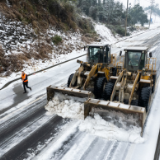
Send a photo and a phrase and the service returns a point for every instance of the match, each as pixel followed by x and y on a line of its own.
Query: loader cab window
pixel 142 62
pixel 134 58
pixel 96 54
pixel 146 59
pixel 109 55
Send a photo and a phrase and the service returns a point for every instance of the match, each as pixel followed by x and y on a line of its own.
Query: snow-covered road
pixel 70 143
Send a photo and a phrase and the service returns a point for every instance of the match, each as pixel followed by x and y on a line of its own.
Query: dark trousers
pixel 25 84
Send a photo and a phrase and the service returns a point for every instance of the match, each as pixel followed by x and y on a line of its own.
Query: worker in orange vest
pixel 25 81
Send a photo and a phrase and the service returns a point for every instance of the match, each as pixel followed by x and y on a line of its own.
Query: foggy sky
pixel 143 3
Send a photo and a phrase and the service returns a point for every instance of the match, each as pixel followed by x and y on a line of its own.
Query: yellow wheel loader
pixel 130 91
pixel 91 75
pixel 126 88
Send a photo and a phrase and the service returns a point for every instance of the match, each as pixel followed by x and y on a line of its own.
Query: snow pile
pixel 104 33
pixel 107 129
pixel 66 106
pixel 114 126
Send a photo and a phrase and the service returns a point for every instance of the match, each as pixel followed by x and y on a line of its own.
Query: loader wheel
pixel 98 87
pixel 70 79
pixel 108 90
pixel 134 102
pixel 154 80
pixel 144 97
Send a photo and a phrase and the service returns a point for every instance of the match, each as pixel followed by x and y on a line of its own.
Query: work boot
pixel 24 92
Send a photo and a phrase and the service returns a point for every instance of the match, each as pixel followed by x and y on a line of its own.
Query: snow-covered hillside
pixel 31 48
pixel 18 39
pixel 104 33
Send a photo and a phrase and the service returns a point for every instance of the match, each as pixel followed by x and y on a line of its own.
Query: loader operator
pixel 99 55
pixel 136 59
pixel 24 78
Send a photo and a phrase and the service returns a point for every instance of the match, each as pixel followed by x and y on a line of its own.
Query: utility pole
pixel 152 2
pixel 126 18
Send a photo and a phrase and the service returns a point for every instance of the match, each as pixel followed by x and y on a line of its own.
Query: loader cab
pixel 99 53
pixel 135 58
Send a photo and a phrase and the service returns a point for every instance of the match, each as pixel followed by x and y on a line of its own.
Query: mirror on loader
pixel 150 54
pixel 120 53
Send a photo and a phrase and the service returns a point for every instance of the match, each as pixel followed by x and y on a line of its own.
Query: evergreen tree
pixel 137 14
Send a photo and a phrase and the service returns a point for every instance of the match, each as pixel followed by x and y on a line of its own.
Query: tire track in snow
pixel 66 146
pixel 27 126
pixel 33 133
pixel 79 148
pixel 121 151
pixel 91 147
pixel 104 151
pixel 97 150
pixel 110 153
pixel 59 146
pixel 44 138
pixel 8 139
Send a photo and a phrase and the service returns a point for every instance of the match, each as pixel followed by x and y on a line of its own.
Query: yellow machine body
pixel 128 83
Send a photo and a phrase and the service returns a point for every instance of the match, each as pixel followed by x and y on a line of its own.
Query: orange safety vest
pixel 24 78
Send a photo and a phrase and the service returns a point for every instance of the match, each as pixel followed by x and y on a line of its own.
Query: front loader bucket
pixel 92 106
pixel 67 102
pixel 51 90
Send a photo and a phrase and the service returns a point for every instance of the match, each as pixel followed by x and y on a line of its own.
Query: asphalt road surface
pixel 27 132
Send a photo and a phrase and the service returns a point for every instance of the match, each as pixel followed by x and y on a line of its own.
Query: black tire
pixel 98 87
pixel 114 71
pixel 134 102
pixel 144 97
pixel 108 91
pixel 154 81
pixel 70 79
